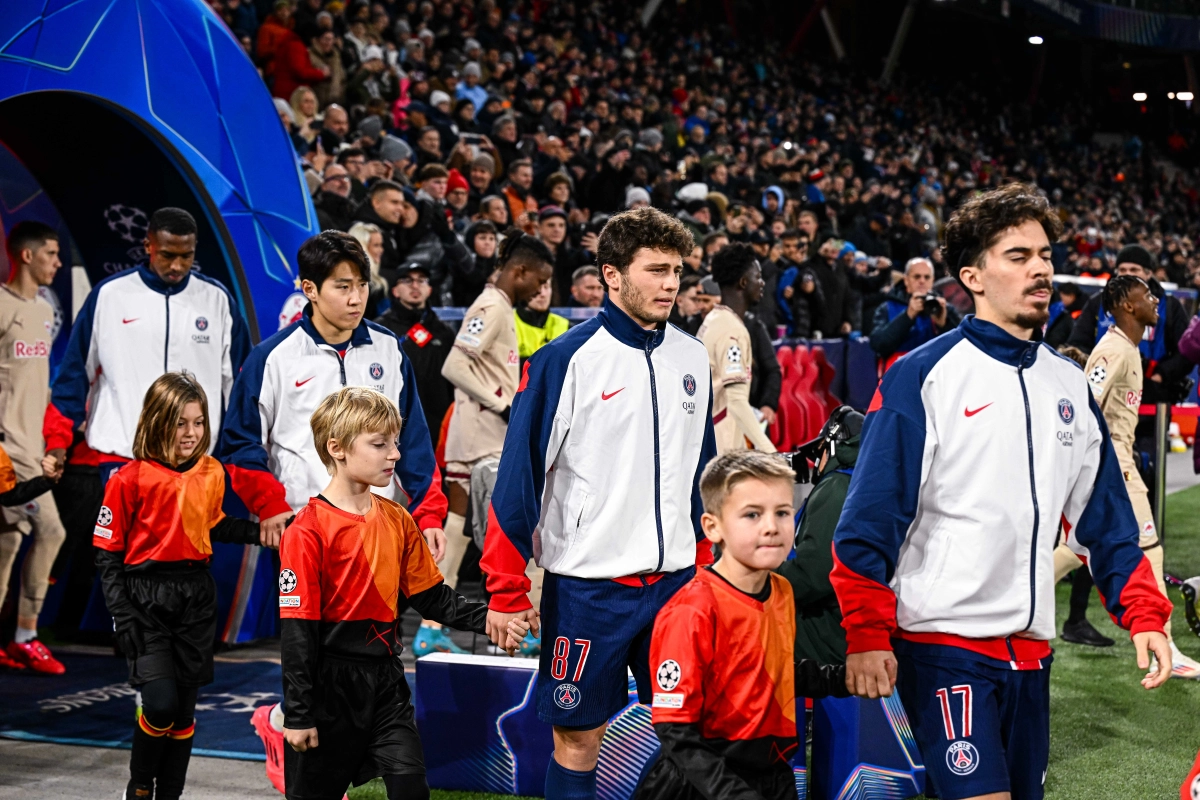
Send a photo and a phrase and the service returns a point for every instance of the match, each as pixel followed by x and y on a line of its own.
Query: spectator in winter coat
pixel 1063 313
pixel 907 320
pixel 293 67
pixel 833 317
pixel 326 54
pixel 384 208
pixel 552 230
pixel 426 340
pixel 473 274
pixel 335 209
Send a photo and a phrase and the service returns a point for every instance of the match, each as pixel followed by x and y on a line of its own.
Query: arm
pixel 109 540
pixel 1083 333
pixel 417 468
pixel 738 396
pixel 69 391
pixel 469 346
pixel 243 443
pixel 232 530
pixel 443 604
pixel 1118 396
pixel 708 451
pixel 536 431
pixel 300 621
pixel 814 679
pixel 1174 365
pixel 880 507
pixel 887 336
pixel 25 491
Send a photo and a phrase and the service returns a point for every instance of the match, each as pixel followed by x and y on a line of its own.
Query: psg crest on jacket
pixel 1066 411
pixel 689 385
pixel 376 371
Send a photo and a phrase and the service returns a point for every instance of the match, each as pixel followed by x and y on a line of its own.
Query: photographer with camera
pixel 912 315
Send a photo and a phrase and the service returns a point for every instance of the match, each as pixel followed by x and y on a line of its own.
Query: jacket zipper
pixel 342 363
pixel 657 472
pixel 1032 488
pixel 167 343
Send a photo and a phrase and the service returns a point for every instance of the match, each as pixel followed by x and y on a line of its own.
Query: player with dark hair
pixel 610 429
pixel 975 447
pixel 1114 372
pixel 266 442
pixel 153 542
pixel 27 328
pixel 483 366
pixel 737 271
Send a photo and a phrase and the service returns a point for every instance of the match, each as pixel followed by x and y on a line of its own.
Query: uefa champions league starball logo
pixel 668 674
pixel 127 222
pixel 287 581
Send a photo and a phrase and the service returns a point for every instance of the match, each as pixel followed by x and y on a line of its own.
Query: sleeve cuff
pixel 1144 626
pixel 426 521
pixel 274 508
pixel 864 641
pixel 510 602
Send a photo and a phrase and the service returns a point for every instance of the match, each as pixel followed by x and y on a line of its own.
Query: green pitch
pixel 1109 737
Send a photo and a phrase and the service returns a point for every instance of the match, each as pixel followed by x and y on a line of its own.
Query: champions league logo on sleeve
pixel 1066 411
pixel 287 581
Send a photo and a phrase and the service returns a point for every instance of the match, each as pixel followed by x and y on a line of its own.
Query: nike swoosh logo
pixel 306 380
pixel 968 412
pixel 604 396
pixel 127 321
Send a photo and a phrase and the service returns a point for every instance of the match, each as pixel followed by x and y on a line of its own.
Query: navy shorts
pixel 592 632
pixel 982 726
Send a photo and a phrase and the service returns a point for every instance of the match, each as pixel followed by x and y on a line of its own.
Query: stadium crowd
pixel 476 155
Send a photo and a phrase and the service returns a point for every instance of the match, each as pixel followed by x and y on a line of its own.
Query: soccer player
pixel 975 446
pixel 26 327
pixel 725 336
pixel 1114 372
pixel 724 703
pixel 483 366
pixel 154 537
pixel 352 561
pixel 266 442
pixel 133 327
pixel 609 432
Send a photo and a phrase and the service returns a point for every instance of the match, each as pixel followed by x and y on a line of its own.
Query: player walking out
pixel 154 537
pixel 26 328
pixel 975 446
pixel 352 562
pixel 483 366
pixel 609 432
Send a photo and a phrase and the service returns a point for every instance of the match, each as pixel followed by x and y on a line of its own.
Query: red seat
pixel 777 430
pixel 793 423
pixel 824 379
pixel 814 411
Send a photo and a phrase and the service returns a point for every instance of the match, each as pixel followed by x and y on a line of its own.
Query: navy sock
pixel 567 784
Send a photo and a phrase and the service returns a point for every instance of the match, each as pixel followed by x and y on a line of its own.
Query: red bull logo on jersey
pixel 962 758
pixel 566 696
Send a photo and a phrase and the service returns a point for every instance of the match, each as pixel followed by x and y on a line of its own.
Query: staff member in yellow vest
pixel 537 324
pixel 485 369
pixel 725 336
pixel 1114 373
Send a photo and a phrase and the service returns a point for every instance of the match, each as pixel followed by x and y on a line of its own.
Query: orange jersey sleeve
pixel 418 571
pixel 681 652
pixel 8 476
pixel 300 553
pixel 118 511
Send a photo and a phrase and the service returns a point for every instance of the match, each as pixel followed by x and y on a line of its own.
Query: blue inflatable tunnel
pixel 110 109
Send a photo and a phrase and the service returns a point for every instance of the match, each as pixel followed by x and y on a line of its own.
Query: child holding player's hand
pixel 352 562
pixel 721 655
pixel 154 535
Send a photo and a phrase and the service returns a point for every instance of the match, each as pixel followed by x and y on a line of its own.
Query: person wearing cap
pixel 425 339
pixel 458 193
pixel 1164 366
pixel 870 235
pixel 552 230
pixel 398 154
pixel 765 310
pixel 469 88
pixel 482 179
pixel 696 216
pixel 373 78
pixel 446 80
pixel 335 210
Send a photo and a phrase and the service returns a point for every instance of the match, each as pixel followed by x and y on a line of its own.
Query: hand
pixel 302 739
pixel 517 628
pixel 589 241
pixel 768 414
pixel 916 304
pixel 497 624
pixel 270 530
pixel 788 291
pixel 873 674
pixel 128 637
pixel 436 539
pixel 1154 642
pixel 939 316
pixel 1156 378
pixel 59 454
pixel 51 468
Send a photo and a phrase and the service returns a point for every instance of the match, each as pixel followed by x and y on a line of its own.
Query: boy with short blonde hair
pixel 722 646
pixel 352 561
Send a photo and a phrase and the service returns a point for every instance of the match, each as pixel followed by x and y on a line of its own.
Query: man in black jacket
pixel 426 340
pixel 906 320
pixel 1165 369
pixel 384 208
pixel 767 379
pixel 833 315
pixel 335 209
